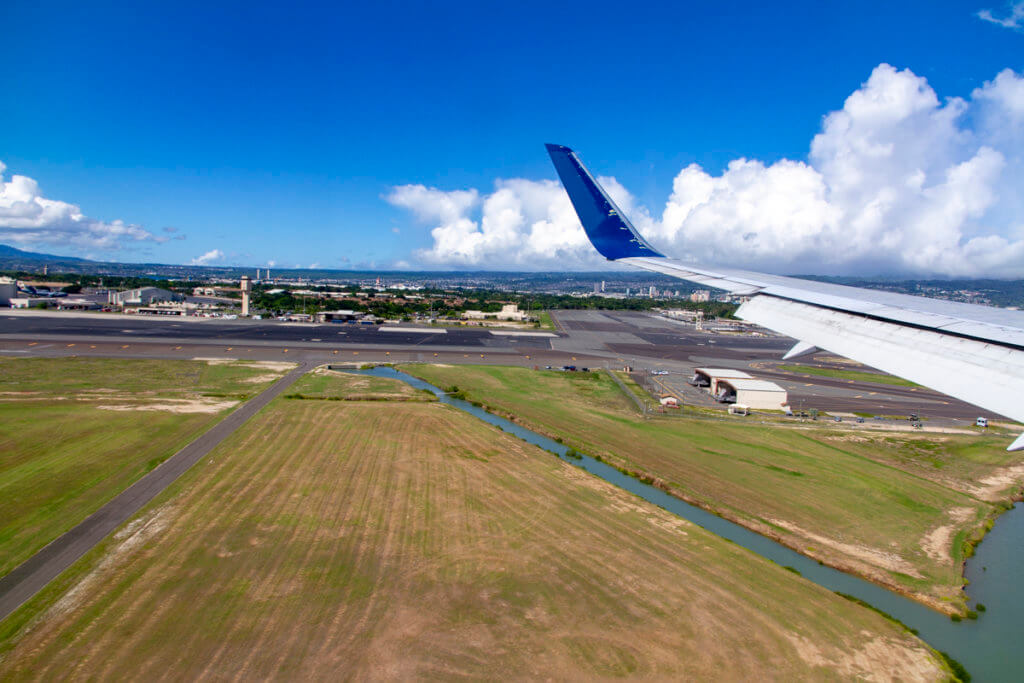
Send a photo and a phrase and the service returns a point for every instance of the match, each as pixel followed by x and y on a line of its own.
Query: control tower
pixel 246 288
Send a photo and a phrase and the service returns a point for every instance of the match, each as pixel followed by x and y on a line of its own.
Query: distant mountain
pixel 11 254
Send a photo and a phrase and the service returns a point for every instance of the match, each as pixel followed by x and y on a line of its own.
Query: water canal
pixel 991 648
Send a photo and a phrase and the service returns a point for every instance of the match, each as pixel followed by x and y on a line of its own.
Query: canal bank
pixel 988 647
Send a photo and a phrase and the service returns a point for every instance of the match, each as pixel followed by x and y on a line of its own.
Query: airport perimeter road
pixel 31 576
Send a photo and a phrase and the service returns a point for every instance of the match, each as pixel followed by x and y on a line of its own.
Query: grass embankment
pixel 408 540
pixel 75 432
pixel 856 375
pixel 897 509
pixel 546 323
pixel 331 385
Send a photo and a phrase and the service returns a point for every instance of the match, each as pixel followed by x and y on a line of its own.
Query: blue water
pixel 991 648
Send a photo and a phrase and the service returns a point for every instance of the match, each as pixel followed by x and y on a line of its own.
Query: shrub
pixel 958 669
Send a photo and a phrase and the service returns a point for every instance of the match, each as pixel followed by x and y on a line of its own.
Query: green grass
pixel 864 503
pixel 409 540
pixel 857 375
pixel 546 323
pixel 333 385
pixel 62 455
pixel 632 386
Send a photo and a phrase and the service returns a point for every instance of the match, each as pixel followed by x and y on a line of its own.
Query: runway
pixel 586 338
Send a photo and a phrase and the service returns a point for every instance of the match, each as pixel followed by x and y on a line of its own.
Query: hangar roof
pixel 724 373
pixel 753 385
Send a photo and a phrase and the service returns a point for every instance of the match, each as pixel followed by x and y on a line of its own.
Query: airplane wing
pixel 974 353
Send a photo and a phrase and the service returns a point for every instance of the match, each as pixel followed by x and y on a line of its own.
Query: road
pixel 35 573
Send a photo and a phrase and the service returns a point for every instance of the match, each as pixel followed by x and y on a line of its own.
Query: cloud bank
pixel 28 218
pixel 895 182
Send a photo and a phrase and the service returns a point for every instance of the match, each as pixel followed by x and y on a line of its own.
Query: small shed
pixel 670 401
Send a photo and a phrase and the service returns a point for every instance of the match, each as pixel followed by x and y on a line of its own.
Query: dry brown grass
pixel 408 540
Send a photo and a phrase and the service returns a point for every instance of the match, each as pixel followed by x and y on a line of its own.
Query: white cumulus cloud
pixel 29 218
pixel 208 258
pixel 896 181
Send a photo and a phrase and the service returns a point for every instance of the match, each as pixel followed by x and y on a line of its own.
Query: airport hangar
pixel 735 386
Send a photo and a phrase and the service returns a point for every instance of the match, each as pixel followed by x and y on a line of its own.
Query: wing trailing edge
pixel 974 353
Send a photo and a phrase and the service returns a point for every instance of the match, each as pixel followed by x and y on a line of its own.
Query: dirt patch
pixel 877 659
pixel 216 361
pixel 131 537
pixel 273 365
pixel 176 405
pixel 260 379
pixel 889 561
pixel 991 486
pixel 938 543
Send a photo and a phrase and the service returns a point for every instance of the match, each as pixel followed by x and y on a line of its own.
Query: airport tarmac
pixel 598 339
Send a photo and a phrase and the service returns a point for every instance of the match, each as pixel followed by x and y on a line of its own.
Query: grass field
pixel 334 385
pixel 856 375
pixel 407 540
pixel 896 508
pixel 75 432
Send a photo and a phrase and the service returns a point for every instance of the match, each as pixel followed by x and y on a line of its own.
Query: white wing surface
pixel 974 353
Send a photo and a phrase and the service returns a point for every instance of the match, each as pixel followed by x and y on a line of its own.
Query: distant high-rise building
pixel 700 295
pixel 602 285
pixel 597 288
pixel 653 291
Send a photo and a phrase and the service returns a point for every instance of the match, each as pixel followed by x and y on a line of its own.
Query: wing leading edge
pixel 974 353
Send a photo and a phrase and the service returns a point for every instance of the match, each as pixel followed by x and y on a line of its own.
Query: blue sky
pixel 274 132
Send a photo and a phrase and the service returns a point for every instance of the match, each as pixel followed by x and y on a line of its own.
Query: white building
pixel 700 295
pixel 709 377
pixel 8 290
pixel 753 393
pixel 143 296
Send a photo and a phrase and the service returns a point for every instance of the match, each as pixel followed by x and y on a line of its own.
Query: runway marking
pixel 355 353
pixel 33 343
pixel 92 346
pixel 285 351
pixel 70 345
pixel 229 348
pixel 335 351
pixel 177 348
pixel 125 346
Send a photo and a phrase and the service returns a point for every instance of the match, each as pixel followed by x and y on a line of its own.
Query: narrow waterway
pixel 991 648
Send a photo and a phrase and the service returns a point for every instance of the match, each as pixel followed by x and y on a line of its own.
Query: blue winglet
pixel 609 231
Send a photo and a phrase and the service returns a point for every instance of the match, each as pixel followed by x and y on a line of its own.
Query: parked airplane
pixel 974 353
